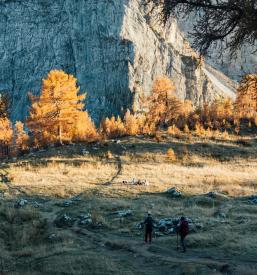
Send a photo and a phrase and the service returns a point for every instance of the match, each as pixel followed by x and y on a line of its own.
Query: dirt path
pixel 158 259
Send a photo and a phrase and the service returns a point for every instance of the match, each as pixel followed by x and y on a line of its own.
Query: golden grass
pixel 202 176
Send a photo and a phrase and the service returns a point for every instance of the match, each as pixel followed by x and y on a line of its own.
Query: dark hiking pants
pixel 148 236
pixel 183 242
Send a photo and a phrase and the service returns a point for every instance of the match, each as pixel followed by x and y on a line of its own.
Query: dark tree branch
pixel 216 20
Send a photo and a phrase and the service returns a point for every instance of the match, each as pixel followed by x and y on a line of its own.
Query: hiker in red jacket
pixel 183 230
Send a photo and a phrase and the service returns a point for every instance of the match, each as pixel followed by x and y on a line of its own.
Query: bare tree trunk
pixel 60 133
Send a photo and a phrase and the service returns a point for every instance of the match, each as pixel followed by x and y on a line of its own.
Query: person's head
pixel 182 218
pixel 148 213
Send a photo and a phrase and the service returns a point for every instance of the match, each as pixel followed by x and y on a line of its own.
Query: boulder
pixel 123 213
pixel 139 226
pixel 69 202
pixel 85 152
pixel 173 192
pixel 216 195
pixel 85 220
pixel 54 238
pixel 164 224
pixel 64 220
pixel 20 203
pixel 253 199
pixel 4 178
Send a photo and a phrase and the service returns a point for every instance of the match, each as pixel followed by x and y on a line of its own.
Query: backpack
pixel 149 222
pixel 184 228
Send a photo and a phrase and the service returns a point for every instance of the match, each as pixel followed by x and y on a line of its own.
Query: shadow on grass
pixel 75 154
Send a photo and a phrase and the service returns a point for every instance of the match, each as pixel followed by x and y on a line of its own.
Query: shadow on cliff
pixel 80 37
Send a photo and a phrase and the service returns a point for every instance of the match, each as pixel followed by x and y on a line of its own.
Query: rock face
pixel 110 46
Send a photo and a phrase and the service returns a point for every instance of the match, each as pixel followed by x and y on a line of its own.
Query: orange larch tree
pixel 6 131
pixel 246 102
pixel 4 102
pixel 57 115
pixel 112 127
pixel 21 138
pixel 163 104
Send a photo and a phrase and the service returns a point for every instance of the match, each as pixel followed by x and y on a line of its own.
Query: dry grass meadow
pixel 224 243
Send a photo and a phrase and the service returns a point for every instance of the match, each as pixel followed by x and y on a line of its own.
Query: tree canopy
pixel 216 20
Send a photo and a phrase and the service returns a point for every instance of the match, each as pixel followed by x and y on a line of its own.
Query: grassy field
pixel 225 238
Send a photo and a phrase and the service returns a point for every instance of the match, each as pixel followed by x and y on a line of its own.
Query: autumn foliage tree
pixel 6 131
pixel 112 127
pixel 4 103
pixel 57 115
pixel 20 136
pixel 160 102
pixel 165 108
pixel 246 102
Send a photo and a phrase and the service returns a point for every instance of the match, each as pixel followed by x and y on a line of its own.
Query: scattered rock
pixel 20 203
pixel 4 178
pixel 85 152
pixel 158 234
pixel 36 204
pixel 64 220
pixel 222 215
pixel 69 202
pixel 174 192
pixel 76 198
pixel 136 182
pixel 199 226
pixel 165 224
pixel 123 213
pixel 54 238
pixel 212 223
pixel 216 195
pixel 212 195
pixel 172 230
pixel 253 199
pixel 85 219
pixel 139 226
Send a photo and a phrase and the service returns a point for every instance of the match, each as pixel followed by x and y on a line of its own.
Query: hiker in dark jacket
pixel 148 222
pixel 183 230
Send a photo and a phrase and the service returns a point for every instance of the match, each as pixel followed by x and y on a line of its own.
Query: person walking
pixel 183 230
pixel 148 222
